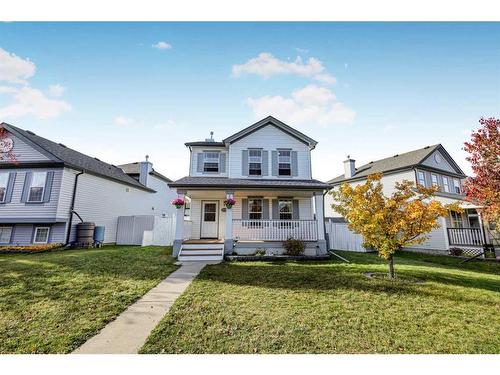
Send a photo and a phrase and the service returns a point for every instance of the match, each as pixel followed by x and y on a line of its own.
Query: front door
pixel 209 219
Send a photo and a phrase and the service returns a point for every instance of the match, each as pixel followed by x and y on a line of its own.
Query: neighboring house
pixel 266 168
pixel 42 182
pixel 428 166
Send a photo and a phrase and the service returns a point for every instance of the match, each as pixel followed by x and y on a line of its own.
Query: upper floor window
pixel 37 187
pixel 421 178
pixel 5 234
pixel 284 163
pixel 434 179
pixel 456 185
pixel 255 209
pixel 446 184
pixel 4 179
pixel 255 162
pixel 211 161
pixel 285 208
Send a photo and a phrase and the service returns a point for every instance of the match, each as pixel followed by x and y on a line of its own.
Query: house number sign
pixel 6 145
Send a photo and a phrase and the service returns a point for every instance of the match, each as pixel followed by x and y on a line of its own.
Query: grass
pixel 54 302
pixel 330 307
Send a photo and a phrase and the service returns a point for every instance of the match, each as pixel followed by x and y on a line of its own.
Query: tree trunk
pixel 392 274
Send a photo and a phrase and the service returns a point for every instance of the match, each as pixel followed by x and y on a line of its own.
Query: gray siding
pixel 24 152
pixel 22 234
pixel 443 164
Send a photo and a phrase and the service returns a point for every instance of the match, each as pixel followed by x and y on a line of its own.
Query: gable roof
pixel 58 153
pixel 403 161
pixel 270 120
pixel 135 169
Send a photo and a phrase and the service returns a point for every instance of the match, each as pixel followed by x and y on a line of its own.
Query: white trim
pixel 36 231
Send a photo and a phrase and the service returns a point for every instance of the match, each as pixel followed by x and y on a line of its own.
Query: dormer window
pixel 211 162
pixel 284 163
pixel 255 162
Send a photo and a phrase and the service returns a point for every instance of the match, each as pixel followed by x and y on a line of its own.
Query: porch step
pixel 209 251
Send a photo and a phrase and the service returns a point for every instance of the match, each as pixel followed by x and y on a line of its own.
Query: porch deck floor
pixel 202 241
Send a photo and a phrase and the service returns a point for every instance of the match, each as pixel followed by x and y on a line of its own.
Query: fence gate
pixel 341 238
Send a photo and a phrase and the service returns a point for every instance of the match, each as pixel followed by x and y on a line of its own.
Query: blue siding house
pixel 44 183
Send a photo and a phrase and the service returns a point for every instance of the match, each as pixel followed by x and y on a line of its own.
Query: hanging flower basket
pixel 178 202
pixel 229 203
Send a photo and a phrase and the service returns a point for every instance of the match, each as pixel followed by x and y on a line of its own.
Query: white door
pixel 210 219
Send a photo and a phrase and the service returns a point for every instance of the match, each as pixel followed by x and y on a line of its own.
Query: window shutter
pixel 244 162
pixel 295 164
pixel 222 161
pixel 295 213
pixel 48 186
pixel 27 182
pixel 199 162
pixel 265 209
pixel 276 214
pixel 10 187
pixel 274 163
pixel 265 163
pixel 244 209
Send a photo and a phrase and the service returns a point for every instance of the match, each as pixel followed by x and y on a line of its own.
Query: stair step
pixel 201 252
pixel 203 246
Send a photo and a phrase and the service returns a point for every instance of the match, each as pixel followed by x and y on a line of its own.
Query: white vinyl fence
pixel 341 238
pixel 145 230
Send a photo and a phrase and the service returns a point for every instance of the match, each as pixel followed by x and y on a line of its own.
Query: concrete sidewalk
pixel 129 331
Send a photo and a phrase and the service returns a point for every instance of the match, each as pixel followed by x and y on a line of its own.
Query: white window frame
pixel 4 187
pixel 457 220
pixel 250 212
pixel 421 178
pixel 285 213
pixel 456 184
pixel 10 236
pixel 254 160
pixel 36 232
pixel 211 160
pixel 31 187
pixel 446 184
pixel 282 159
pixel 434 177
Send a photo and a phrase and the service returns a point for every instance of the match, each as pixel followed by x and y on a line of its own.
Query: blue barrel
pixel 99 235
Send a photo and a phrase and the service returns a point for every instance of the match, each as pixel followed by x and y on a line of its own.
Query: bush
pixel 260 252
pixel 456 251
pixel 294 246
pixel 31 248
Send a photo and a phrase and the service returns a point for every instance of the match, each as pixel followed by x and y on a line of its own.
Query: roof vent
pixel 211 139
pixel 370 162
pixel 396 155
pixel 62 145
pixel 96 159
pixel 30 132
pixel 426 147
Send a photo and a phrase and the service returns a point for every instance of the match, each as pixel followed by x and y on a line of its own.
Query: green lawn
pixel 53 302
pixel 331 307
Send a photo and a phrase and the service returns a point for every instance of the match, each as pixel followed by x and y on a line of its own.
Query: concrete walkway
pixel 129 331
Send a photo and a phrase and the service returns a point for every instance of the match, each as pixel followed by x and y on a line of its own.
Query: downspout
pixel 71 209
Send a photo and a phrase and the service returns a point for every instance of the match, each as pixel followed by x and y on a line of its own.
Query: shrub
pixel 260 252
pixel 294 246
pixel 456 251
pixel 31 248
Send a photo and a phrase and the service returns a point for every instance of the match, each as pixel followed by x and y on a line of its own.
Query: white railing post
pixel 228 235
pixel 179 226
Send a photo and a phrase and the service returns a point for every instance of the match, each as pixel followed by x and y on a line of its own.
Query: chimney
pixel 349 167
pixel 145 168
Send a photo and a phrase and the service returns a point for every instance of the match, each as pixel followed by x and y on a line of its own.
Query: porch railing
pixel 465 236
pixel 275 230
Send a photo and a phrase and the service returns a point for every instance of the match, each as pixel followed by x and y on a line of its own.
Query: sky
pixel 119 91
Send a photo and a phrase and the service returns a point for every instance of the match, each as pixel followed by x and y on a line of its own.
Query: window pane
pixel 2 194
pixel 5 233
pixel 446 184
pixel 4 179
pixel 41 235
pixel 284 156
pixel 37 186
pixel 285 209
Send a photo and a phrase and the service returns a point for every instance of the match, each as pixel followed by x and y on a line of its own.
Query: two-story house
pixel 45 187
pixel 266 169
pixel 428 166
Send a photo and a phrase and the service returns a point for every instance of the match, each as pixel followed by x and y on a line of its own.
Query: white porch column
pixel 228 233
pixel 320 221
pixel 444 227
pixel 179 225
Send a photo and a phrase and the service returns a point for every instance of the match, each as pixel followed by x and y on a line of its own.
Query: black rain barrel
pixel 85 233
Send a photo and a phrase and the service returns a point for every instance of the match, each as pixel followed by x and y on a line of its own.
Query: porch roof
pixel 247 183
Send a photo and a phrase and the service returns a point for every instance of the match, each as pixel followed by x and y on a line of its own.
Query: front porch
pixel 260 220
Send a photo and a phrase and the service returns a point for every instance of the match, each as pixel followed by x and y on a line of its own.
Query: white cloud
pixel 56 90
pixel 266 65
pixel 310 104
pixel 169 124
pixel 14 69
pixel 161 45
pixel 27 101
pixel 124 121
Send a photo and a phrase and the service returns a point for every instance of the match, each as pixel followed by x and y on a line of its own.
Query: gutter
pixel 71 209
